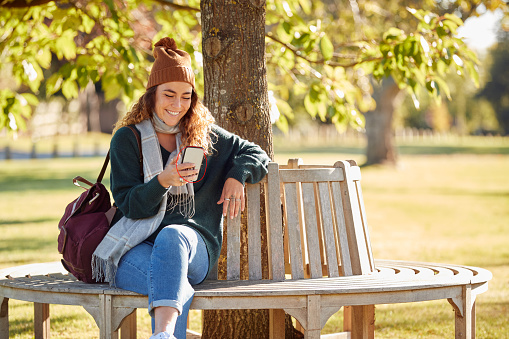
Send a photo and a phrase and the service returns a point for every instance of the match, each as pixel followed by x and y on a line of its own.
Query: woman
pixel 168 231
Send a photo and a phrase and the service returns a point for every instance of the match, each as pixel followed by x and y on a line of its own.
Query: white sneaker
pixel 162 335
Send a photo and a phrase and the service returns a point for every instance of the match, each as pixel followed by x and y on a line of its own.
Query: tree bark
pixel 236 93
pixel 379 130
pixel 234 68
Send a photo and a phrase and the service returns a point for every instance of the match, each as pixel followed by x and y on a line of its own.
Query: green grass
pixel 442 208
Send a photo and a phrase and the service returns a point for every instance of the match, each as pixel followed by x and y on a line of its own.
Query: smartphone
pixel 195 155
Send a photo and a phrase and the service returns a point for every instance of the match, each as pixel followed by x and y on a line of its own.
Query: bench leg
pixel 465 326
pixel 360 321
pixel 4 318
pixel 128 327
pixel 41 321
pixel 276 324
pixel 313 327
pixel 109 318
pixel 464 314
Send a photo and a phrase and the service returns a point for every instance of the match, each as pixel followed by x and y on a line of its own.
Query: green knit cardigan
pixel 232 157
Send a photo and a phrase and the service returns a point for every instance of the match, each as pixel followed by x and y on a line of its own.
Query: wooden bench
pixel 318 257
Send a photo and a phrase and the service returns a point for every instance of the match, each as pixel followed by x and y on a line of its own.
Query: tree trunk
pixel 90 108
pixel 236 93
pixel 379 131
pixel 234 68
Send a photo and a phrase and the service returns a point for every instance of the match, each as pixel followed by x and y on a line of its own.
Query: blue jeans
pixel 166 271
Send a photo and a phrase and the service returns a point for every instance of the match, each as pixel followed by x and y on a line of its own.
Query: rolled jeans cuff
pixel 171 303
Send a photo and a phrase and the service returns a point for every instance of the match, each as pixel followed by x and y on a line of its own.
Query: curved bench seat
pixel 389 275
pixel 392 282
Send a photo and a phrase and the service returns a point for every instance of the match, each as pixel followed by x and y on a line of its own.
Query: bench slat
pixel 274 224
pixel 364 221
pixel 311 175
pixel 254 236
pixel 354 224
pixel 292 215
pixel 311 231
pixel 328 230
pixel 233 249
pixel 340 224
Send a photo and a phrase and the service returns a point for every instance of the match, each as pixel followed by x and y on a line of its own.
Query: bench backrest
pixel 315 225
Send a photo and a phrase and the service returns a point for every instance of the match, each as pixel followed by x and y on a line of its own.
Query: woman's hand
pixel 232 197
pixel 177 175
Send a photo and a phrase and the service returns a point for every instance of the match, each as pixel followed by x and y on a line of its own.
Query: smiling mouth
pixel 172 113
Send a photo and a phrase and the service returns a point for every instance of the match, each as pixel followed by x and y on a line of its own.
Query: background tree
pixel 339 46
pixel 496 90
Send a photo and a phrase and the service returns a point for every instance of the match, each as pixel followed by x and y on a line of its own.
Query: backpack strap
pixel 138 139
pixel 107 159
pixel 103 169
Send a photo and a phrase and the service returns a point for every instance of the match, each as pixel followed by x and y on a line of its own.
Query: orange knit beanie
pixel 171 64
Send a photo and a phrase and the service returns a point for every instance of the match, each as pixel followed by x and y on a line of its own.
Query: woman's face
pixel 173 99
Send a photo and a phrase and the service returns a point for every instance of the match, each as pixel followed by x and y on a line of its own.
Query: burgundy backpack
pixel 86 221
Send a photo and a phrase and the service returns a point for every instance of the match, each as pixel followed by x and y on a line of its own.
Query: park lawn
pixel 440 208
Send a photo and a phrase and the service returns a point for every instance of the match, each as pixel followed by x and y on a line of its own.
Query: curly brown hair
pixel 194 125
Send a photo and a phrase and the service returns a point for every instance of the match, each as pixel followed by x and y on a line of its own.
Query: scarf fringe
pixel 185 203
pixel 103 270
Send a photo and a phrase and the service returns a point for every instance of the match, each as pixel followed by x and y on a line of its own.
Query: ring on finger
pixel 238 199
pixel 226 199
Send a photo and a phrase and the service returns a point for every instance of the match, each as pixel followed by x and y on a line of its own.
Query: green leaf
pixel 393 33
pixel 301 40
pixel 282 124
pixel 431 86
pixel 53 84
pixel 43 57
pixel 310 105
pixel 326 48
pixel 112 88
pixel 443 87
pixel 306 6
pixel 83 60
pixel 416 13
pixel 87 23
pixel 82 77
pixel 451 26
pixel 472 72
pixel 454 19
pixel 31 99
pixel 284 108
pixel 70 89
pixel 287 27
pixel 441 66
pixel 322 109
pixel 65 46
pixel 441 32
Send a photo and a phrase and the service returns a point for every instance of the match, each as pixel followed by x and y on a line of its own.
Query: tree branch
pixel 22 3
pixel 177 6
pixel 298 54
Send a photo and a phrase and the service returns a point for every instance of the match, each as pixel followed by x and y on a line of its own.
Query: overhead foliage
pixel 329 51
pixel 59 47
pixel 321 51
